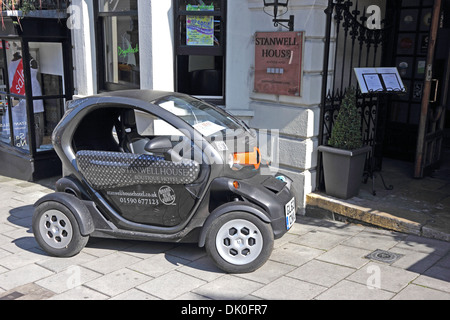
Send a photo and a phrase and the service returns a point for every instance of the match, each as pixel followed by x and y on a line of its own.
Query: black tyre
pixel 239 242
pixel 56 230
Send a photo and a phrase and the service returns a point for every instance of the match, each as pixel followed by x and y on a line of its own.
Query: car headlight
pixel 238 160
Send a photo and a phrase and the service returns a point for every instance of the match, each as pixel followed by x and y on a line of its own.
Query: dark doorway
pixel 409 126
pixel 420 50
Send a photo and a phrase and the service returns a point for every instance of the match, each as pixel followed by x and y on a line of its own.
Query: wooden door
pixel 434 98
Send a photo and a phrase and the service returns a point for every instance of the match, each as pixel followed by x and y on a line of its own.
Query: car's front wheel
pixel 56 230
pixel 239 242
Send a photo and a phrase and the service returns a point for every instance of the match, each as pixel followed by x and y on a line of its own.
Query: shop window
pixel 200 48
pixel 14 129
pixel 45 80
pixel 118 44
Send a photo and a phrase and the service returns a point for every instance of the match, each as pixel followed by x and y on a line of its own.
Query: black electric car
pixel 163 166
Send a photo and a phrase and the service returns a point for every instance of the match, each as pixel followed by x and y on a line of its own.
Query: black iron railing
pixel 350 44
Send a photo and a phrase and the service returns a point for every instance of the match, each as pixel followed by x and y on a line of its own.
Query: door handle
pixel 436 81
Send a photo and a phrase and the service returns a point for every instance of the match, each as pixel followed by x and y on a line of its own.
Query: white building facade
pixel 295 117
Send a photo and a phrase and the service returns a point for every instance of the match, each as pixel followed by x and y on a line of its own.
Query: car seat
pixel 132 141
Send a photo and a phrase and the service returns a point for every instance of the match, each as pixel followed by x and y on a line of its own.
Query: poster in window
pixel 425 21
pixel 200 29
pixel 278 62
pixel 417 91
pixel 406 43
pixel 408 20
pixel 422 48
pixel 421 68
pixel 405 67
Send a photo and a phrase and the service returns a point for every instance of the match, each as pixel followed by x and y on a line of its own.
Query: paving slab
pixel 228 287
pixel 29 291
pixel 415 292
pixel 171 285
pixel 134 294
pixel 436 277
pixel 294 254
pixel 22 276
pixel 80 293
pixel 111 262
pixel 117 282
pixel 414 206
pixel 286 288
pixel 321 273
pixel 68 279
pixel 318 259
pixel 346 256
pixel 349 290
pixel 321 239
pixel 390 278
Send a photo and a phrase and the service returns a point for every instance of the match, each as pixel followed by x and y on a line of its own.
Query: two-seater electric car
pixel 162 166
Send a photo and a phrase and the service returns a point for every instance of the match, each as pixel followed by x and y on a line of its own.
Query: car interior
pixel 127 130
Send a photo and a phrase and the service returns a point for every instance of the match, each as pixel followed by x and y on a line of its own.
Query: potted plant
pixel 345 155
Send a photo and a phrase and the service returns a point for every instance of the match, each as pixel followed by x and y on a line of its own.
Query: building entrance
pixel 412 36
pixel 416 120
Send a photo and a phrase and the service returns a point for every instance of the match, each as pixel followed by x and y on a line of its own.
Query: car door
pixel 151 187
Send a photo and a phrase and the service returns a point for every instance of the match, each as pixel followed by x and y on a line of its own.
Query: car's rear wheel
pixel 56 230
pixel 239 242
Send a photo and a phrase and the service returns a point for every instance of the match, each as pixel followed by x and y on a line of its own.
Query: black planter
pixel 343 170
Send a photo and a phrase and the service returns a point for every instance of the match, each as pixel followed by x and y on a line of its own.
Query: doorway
pixel 416 120
pixel 35 83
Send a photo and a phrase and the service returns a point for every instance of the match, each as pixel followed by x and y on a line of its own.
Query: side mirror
pixel 158 145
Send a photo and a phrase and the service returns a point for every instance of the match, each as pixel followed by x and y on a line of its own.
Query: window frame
pixel 29 98
pixel 185 50
pixel 102 84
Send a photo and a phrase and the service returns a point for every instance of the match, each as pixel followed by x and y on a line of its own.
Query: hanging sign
pixel 199 29
pixel 278 62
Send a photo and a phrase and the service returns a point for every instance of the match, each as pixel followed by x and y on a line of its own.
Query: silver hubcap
pixel 239 242
pixel 55 229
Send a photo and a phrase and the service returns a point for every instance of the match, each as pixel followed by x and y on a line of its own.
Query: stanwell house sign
pixel 278 62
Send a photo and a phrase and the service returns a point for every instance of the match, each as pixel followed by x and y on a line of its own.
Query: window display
pixel 14 106
pixel 45 79
pixel 199 36
pixel 46 71
pixel 118 44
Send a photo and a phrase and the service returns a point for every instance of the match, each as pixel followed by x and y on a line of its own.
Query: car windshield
pixel 204 117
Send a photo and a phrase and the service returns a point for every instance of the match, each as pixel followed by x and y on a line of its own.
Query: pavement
pixel 317 260
pixel 413 206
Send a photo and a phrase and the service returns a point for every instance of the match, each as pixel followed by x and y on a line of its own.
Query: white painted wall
pixel 156 40
pixel 297 118
pixel 84 54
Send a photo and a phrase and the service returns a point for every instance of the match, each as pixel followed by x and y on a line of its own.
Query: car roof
pixel 146 95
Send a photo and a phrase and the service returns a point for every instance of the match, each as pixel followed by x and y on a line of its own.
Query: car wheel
pixel 239 242
pixel 56 230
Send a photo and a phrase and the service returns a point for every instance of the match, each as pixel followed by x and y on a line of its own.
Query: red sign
pixel 18 81
pixel 278 62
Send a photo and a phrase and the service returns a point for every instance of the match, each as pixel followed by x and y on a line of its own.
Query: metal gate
pixel 351 44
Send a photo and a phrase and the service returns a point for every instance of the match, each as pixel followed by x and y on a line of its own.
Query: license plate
pixel 289 209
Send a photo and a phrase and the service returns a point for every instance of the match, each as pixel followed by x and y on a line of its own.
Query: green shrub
pixel 346 133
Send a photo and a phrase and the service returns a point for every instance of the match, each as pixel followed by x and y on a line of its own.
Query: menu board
pixel 379 80
pixel 200 29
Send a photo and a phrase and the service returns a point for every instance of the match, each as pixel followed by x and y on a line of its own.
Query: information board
pixel 200 29
pixel 379 80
